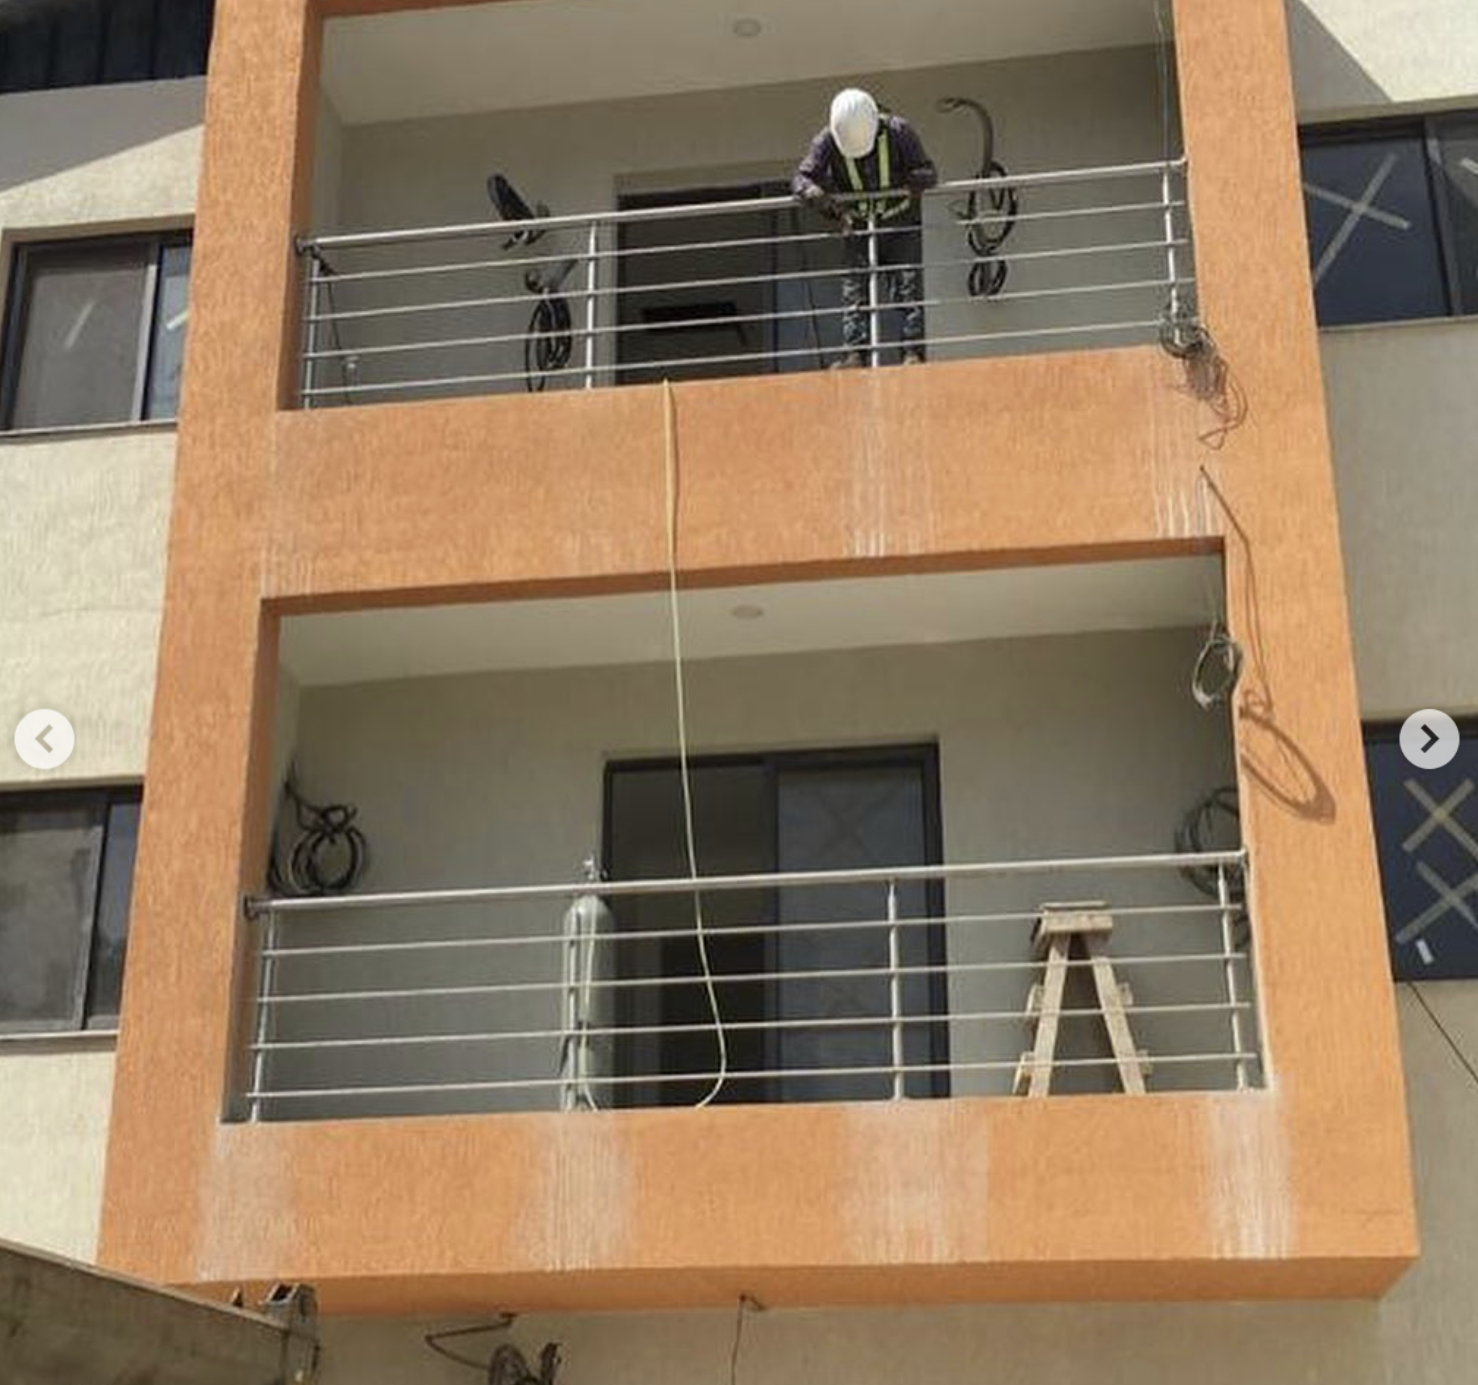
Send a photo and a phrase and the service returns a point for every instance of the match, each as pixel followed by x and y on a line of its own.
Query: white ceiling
pixel 522 53
pixel 861 613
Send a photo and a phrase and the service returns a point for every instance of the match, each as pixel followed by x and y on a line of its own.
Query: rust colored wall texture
pixel 1302 1189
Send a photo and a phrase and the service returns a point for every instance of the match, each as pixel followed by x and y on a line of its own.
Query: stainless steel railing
pixel 826 985
pixel 1091 257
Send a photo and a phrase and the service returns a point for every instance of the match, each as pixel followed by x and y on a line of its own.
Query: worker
pixel 866 150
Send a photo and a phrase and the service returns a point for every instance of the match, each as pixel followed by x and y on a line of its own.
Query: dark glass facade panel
pixel 1426 832
pixel 1374 245
pixel 71 43
pixel 1458 141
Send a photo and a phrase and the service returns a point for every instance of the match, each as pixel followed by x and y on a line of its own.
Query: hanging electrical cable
pixel 1218 667
pixel 329 853
pixel 507 1365
pixel 550 340
pixel 1206 828
pixel 988 214
pixel 700 931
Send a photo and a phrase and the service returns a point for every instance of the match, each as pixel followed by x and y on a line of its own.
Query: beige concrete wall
pixel 112 156
pixel 83 525
pixel 1355 57
pixel 1404 416
pixel 82 544
pixel 54 1103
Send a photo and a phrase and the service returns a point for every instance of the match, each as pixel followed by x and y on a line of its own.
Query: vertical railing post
pixel 262 1029
pixel 1172 260
pixel 571 1017
pixel 592 291
pixel 895 990
pixel 874 348
pixel 310 333
pixel 1228 947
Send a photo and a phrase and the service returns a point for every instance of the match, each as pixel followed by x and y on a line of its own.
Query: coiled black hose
pixel 550 340
pixel 1195 834
pixel 988 214
pixel 329 853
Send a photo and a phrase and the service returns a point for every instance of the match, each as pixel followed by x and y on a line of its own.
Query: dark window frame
pixel 17 303
pixel 1427 131
pixel 923 755
pixel 1385 731
pixel 104 798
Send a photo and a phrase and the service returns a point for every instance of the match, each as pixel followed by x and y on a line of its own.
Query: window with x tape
pixel 1426 829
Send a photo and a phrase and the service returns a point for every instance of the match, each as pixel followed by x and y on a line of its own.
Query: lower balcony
pixel 840 887
pixel 812 1052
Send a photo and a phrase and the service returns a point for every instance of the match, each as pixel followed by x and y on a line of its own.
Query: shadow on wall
pixel 85 125
pixel 1327 76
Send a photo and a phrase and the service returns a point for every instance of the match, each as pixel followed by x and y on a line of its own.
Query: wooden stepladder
pixel 1060 930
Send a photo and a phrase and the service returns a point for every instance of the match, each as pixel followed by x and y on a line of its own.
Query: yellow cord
pixel 682 742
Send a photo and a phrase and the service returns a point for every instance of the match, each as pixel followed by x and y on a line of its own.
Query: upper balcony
pixel 499 207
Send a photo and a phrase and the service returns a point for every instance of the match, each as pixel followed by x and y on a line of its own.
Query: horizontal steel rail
pixel 701 1076
pixel 727 930
pixel 636 252
pixel 732 1026
pixel 739 280
pixel 689 323
pixel 581 220
pixel 616 889
pixel 729 978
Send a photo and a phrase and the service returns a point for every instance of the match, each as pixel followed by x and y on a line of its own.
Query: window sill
pixel 70 1040
pixel 87 430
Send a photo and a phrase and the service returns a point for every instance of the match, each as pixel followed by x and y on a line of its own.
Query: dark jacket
pixel 823 172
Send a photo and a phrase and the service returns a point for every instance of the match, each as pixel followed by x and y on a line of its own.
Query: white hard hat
pixel 854 122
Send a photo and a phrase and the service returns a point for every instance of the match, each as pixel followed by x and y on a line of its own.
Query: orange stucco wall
pixel 1301 1189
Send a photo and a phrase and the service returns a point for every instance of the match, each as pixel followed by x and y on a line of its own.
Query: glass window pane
pixel 1459 143
pixel 110 935
pixel 850 817
pixel 1373 244
pixel 48 876
pixel 1426 835
pixel 128 48
pixel 171 314
pixel 182 39
pixel 79 344
pixel 77 47
pixel 25 53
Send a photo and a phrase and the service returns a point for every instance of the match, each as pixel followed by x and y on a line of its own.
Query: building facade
pixel 544 543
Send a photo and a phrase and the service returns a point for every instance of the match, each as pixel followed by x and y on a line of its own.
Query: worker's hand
pixel 819 200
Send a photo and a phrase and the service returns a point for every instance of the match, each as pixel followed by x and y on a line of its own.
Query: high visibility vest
pixel 881 208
